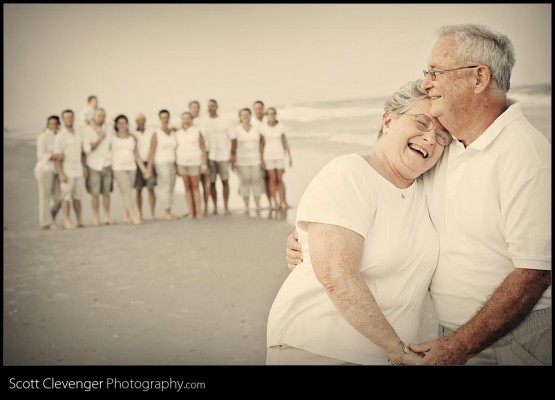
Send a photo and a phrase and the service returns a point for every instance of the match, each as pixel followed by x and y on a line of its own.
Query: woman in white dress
pixel 274 147
pixel 191 162
pixel 162 157
pixel 246 158
pixel 125 158
pixel 369 249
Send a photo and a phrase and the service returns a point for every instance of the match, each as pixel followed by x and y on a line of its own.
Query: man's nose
pixel 427 83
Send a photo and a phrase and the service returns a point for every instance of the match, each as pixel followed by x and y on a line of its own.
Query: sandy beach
pixel 172 293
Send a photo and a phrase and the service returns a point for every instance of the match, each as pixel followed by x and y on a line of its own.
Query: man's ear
pixel 482 78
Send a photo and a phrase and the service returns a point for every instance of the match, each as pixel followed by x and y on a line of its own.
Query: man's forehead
pixel 444 52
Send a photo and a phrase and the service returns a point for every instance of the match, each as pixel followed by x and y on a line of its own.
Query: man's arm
pixel 101 137
pixel 233 156
pixel 511 302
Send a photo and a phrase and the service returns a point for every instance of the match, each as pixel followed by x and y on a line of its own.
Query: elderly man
pixel 489 199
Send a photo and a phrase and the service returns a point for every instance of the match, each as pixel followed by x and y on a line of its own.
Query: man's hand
pixel 63 177
pixel 147 174
pixel 293 251
pixel 446 350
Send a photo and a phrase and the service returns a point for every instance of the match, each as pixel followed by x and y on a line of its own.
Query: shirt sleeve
pixel 526 220
pixel 58 144
pixel 341 194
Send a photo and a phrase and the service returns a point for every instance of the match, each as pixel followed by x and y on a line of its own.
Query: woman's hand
pixel 405 357
pixel 293 251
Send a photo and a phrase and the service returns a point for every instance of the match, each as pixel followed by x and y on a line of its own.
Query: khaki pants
pixel 49 197
pixel 165 177
pixel 528 344
pixel 287 355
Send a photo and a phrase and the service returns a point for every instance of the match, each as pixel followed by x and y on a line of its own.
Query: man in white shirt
pixel 68 149
pixel 490 200
pixel 218 132
pixel 259 118
pixel 96 145
pixel 144 138
pixel 194 109
pixel 87 114
pixel 45 173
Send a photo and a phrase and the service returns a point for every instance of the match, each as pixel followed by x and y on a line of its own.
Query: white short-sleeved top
pixel 123 153
pixel 70 146
pixel 218 132
pixel 273 146
pixel 400 255
pixel 85 114
pixel 165 147
pixel 248 146
pixel 188 150
pixel 144 139
pixel 101 156
pixel 491 205
pixel 45 149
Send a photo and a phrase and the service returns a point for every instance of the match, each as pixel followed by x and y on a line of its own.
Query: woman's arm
pixel 285 144
pixel 138 160
pixel 336 254
pixel 153 144
pixel 203 150
pixel 261 145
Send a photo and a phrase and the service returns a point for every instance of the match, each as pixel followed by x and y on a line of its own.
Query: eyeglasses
pixel 425 124
pixel 433 72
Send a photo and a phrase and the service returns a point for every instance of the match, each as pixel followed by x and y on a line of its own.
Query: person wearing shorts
pixel 68 149
pixel 144 139
pixel 96 145
pixel 246 157
pixel 217 129
pixel 191 159
pixel 274 146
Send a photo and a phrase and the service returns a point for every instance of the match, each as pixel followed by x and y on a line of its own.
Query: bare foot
pixel 227 212
pixel 68 225
pixel 199 216
pixel 96 222
pixel 53 227
pixel 108 221
pixel 169 217
pixel 205 211
pixel 215 212
pixel 189 216
pixel 80 224
pixel 283 206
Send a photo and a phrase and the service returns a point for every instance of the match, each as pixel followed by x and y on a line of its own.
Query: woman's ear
pixel 386 121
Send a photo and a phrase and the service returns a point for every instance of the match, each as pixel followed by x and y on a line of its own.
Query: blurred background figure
pixel 70 164
pixel 194 109
pixel 274 146
pixel 218 131
pixel 258 119
pixel 125 160
pixel 47 178
pixel 246 158
pixel 96 145
pixel 191 159
pixel 144 140
pixel 162 158
pixel 87 114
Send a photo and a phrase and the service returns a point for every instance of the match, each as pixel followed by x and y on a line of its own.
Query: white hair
pixel 478 44
pixel 403 99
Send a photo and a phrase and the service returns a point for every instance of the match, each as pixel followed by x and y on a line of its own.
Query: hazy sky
pixel 148 57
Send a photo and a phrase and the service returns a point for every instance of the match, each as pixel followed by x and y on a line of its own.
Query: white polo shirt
pixel 70 145
pixel 144 140
pixel 100 157
pixel 491 206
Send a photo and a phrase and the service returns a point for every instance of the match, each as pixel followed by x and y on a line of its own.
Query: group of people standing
pixel 94 155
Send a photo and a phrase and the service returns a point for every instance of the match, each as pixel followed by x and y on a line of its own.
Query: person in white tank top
pixel 125 159
pixel 191 160
pixel 162 156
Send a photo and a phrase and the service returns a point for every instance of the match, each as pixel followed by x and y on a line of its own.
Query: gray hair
pixel 403 99
pixel 478 44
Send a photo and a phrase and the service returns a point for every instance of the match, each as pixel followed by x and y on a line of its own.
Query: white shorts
pixel 275 164
pixel 72 189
